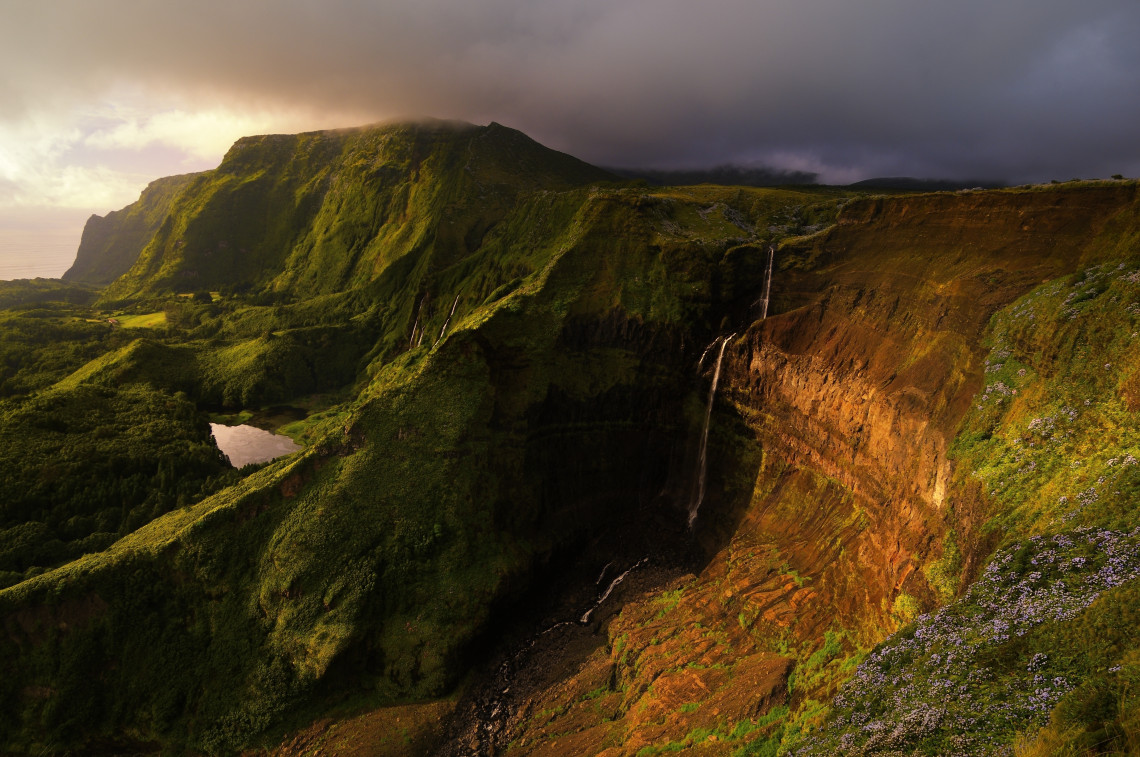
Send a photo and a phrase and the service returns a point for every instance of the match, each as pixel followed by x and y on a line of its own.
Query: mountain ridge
pixel 110 244
pixel 308 240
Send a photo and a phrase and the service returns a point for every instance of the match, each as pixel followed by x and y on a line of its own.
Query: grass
pixel 142 321
pixel 1053 427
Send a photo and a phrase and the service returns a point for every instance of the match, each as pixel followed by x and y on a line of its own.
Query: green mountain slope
pixel 517 380
pixel 111 244
pixel 506 361
pixel 306 214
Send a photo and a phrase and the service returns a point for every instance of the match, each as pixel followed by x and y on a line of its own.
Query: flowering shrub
pixel 962 681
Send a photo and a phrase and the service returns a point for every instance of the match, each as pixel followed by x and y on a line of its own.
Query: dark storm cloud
pixel 1021 89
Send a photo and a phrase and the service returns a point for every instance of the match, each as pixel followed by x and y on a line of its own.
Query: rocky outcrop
pixel 111 243
pixel 866 386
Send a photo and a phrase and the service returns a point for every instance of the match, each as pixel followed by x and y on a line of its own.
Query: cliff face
pixel 839 508
pixel 520 370
pixel 111 244
pixel 868 385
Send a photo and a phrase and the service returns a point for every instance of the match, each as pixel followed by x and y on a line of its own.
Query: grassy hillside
pixel 509 389
pixel 298 215
pixel 918 531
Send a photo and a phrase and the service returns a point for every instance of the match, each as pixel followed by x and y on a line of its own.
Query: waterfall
pixel 416 325
pixel 702 456
pixel 444 329
pixel 701 362
pixel 605 595
pixel 763 301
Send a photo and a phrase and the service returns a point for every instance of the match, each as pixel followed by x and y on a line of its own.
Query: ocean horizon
pixel 30 254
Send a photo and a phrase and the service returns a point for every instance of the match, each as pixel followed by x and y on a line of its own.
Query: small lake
pixel 247 444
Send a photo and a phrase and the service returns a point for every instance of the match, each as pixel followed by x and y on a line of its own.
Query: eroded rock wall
pixel 832 490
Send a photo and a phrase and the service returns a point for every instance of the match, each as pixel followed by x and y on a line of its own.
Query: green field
pixel 143 321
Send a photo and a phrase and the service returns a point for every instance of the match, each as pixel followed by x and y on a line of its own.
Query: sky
pixel 99 98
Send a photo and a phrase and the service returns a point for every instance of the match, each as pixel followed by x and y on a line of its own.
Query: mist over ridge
pixel 111 97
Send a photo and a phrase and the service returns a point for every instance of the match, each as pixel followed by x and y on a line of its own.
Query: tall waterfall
pixel 763 301
pixel 701 362
pixel 703 454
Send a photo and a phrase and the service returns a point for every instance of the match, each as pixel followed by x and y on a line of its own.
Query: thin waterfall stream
pixel 703 453
pixel 763 301
pixel 609 589
pixel 495 707
pixel 701 362
pixel 444 329
pixel 416 325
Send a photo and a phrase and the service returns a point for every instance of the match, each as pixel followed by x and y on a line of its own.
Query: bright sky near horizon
pixel 101 98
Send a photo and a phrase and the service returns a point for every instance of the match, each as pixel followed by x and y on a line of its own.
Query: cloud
pixel 198 134
pixel 102 157
pixel 35 171
pixel 1020 89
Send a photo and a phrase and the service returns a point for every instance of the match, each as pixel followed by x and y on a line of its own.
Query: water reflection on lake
pixel 247 444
